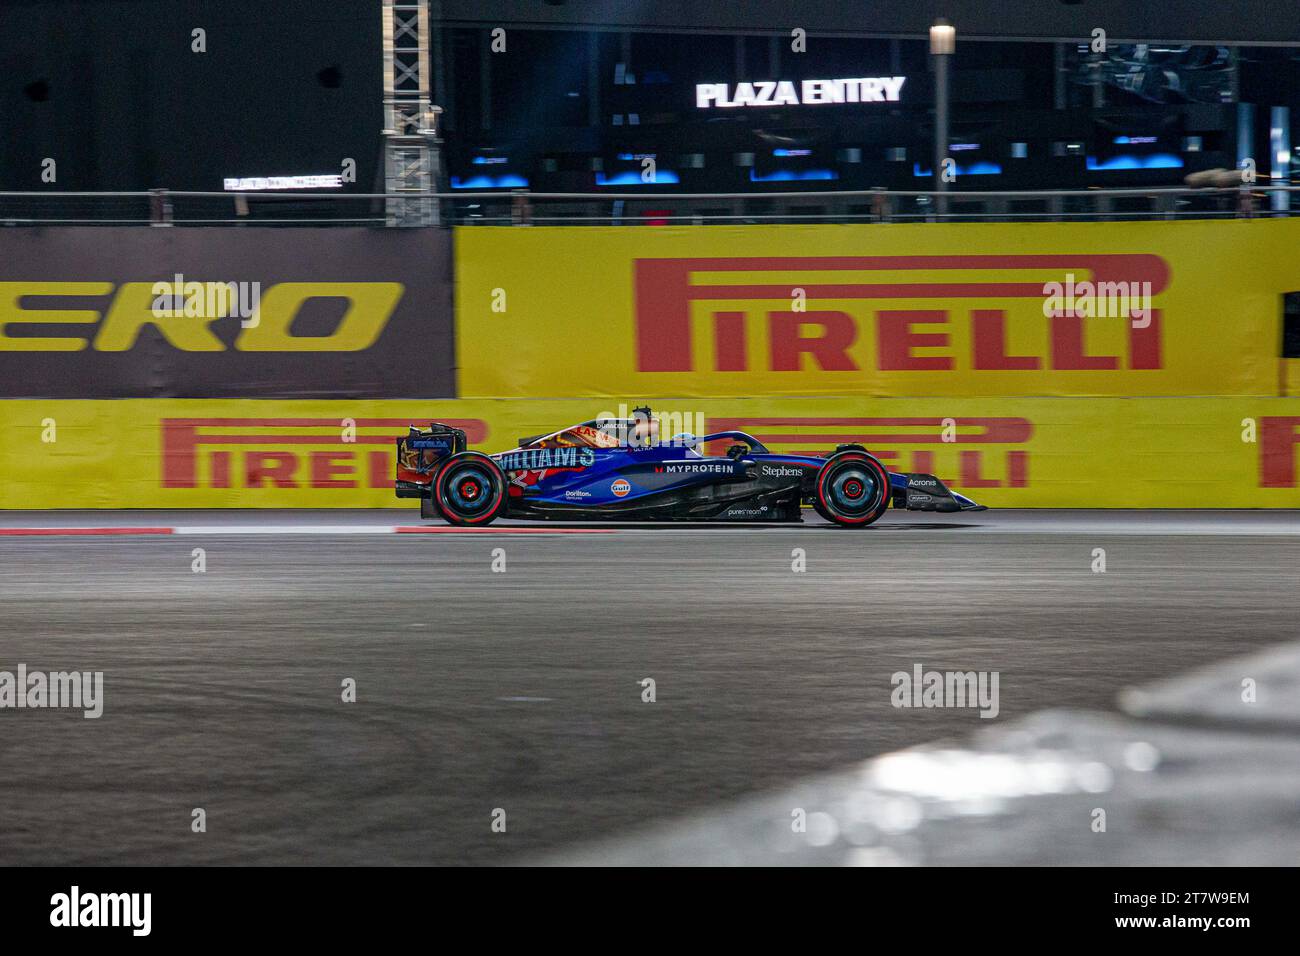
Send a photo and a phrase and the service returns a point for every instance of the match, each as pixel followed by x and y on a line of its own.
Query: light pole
pixel 943 40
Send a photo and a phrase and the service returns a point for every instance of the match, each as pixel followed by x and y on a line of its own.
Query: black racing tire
pixel 469 489
pixel 852 489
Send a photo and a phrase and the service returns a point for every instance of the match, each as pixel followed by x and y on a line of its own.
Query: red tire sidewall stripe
pixel 494 470
pixel 872 463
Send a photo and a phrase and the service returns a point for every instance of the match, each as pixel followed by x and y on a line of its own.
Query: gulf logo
pixel 620 488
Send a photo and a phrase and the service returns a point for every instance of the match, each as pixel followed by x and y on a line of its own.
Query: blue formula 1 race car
pixel 619 470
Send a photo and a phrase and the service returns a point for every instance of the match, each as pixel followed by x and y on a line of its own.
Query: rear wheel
pixel 852 489
pixel 469 489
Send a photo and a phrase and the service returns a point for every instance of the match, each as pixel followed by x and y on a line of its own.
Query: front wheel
pixel 469 488
pixel 852 489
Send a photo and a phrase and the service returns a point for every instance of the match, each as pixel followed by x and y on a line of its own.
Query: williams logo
pixel 535 459
pixel 620 488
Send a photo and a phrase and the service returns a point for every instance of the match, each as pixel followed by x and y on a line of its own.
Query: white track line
pixel 285 529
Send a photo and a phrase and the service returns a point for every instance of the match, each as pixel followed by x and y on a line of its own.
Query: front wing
pixel 918 492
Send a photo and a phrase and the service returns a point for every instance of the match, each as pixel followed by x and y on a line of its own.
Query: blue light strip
pixel 661 177
pixel 1128 163
pixel 508 181
pixel 793 176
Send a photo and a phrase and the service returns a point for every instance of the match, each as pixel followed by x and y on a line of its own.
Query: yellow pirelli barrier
pixel 1291 377
pixel 878 310
pixel 1004 452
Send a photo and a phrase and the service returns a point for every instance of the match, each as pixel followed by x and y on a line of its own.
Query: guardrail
pixel 162 207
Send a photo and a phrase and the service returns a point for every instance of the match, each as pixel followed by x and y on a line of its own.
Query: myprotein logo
pixel 122 312
pixel 300 453
pixel 701 468
pixel 981 452
pixel 906 338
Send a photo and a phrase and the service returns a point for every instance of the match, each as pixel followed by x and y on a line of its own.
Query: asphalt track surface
pixel 479 690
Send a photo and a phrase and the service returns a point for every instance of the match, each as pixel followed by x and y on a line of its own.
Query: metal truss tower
pixel 412 153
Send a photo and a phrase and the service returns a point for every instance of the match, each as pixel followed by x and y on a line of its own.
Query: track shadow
pixel 671 526
pixel 928 526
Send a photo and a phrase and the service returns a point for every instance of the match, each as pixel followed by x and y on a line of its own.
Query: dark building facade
pixel 578 96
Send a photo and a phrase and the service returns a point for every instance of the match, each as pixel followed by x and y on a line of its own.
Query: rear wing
pixel 420 451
